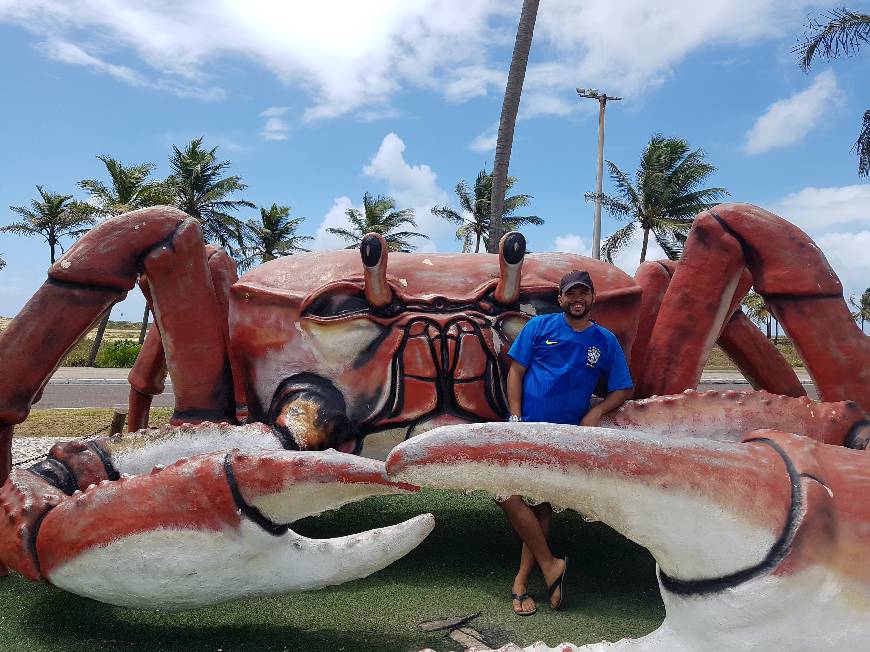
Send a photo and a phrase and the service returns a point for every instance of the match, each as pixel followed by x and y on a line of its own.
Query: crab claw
pixel 214 528
pixel 759 545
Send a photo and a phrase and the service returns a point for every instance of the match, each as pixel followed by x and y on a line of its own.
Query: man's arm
pixel 613 401
pixel 515 388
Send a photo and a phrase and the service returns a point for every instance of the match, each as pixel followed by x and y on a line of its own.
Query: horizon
pixel 315 106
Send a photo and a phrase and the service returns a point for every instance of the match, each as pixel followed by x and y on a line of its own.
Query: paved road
pixel 77 387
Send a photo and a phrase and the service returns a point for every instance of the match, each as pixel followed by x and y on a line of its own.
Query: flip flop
pixel 558 584
pixel 520 597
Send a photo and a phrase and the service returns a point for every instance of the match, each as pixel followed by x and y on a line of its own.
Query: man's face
pixel 577 301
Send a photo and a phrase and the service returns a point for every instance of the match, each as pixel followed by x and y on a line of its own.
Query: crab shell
pixel 435 355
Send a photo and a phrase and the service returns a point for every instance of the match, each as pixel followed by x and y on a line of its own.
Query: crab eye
pixel 337 304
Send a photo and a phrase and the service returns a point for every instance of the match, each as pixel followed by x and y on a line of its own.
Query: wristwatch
pixel 514 418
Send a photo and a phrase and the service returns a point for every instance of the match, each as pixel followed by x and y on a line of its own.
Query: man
pixel 557 361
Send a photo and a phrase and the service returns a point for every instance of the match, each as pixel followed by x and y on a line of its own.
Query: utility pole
pixel 593 94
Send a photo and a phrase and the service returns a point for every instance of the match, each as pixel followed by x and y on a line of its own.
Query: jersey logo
pixel 551 341
pixel 592 356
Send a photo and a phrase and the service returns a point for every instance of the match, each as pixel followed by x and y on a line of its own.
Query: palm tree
pixel 197 187
pixel 274 235
pixel 53 216
pixel 862 307
pixel 2 263
pixel 129 190
pixel 474 220
pixel 664 198
pixel 509 108
pixel 379 216
pixel 842 34
pixel 756 309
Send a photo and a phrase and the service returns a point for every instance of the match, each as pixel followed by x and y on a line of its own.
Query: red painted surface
pixel 24 499
pixel 758 359
pixel 714 414
pixel 189 495
pixel 800 288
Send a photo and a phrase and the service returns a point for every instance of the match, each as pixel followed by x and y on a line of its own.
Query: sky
pixel 317 103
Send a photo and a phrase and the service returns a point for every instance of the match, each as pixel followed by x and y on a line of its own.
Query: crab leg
pixel 148 375
pixel 728 416
pixel 98 271
pixel 798 285
pixel 147 378
pixel 203 530
pixel 757 359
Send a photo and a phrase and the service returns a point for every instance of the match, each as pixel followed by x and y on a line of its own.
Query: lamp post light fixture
pixel 593 94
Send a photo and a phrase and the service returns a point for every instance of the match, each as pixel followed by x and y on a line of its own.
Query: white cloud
pixel 276 127
pixel 336 217
pixel 472 81
pixel 571 243
pixel 353 56
pixel 412 186
pixel 485 141
pixel 787 121
pixel 815 209
pixel 847 254
pixel 66 52
pixel 838 220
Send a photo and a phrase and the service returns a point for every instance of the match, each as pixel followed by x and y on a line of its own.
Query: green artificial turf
pixel 465 566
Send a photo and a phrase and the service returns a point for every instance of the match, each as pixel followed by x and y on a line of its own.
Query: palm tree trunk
pixel 51 244
pixel 768 327
pixel 477 251
pixel 645 244
pixel 509 108
pixel 99 337
pixel 144 328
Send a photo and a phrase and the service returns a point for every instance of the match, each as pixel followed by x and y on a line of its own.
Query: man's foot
pixel 523 604
pixel 556 583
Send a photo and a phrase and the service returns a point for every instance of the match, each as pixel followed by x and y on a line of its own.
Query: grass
pixel 719 360
pixel 76 423
pixel 465 566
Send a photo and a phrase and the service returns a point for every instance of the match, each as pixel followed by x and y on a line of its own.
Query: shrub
pixel 118 353
pixel 78 355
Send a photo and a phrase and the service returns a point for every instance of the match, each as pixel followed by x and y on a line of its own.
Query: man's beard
pixel 567 310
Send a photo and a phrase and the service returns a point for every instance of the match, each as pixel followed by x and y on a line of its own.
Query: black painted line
pixel 774 556
pixel 57 474
pixel 251 512
pixel 106 459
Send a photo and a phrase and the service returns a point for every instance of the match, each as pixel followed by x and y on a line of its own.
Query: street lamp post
pixel 593 94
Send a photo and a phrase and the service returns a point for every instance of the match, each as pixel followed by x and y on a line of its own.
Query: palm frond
pixel 612 205
pixel 617 241
pixel 843 33
pixel 862 147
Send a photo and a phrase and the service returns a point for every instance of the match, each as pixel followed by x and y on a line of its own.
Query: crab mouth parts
pixel 443 367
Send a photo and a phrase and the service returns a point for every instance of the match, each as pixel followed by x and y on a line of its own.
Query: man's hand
pixel 593 417
pixel 613 401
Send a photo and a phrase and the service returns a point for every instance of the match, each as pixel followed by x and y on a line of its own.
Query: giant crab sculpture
pixel 327 350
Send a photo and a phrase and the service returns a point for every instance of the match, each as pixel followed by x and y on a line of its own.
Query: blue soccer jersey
pixel 563 367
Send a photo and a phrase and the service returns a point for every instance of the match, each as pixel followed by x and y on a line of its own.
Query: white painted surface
pixel 817 608
pixel 144 450
pixel 183 569
pixel 312 498
pixel 690 535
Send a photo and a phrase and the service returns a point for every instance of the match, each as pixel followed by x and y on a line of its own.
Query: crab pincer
pixel 202 530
